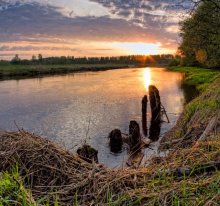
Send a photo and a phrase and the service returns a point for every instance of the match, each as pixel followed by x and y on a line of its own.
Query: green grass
pixel 12 191
pixel 200 110
pixel 199 77
pixel 11 70
pixel 168 191
pixel 209 100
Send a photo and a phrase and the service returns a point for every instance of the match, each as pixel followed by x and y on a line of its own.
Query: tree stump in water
pixel 144 114
pixel 155 128
pixel 155 103
pixel 88 153
pixel 135 136
pixel 115 141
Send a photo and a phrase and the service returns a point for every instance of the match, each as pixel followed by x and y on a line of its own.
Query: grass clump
pixel 12 191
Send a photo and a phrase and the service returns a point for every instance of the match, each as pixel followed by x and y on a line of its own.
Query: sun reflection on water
pixel 147 78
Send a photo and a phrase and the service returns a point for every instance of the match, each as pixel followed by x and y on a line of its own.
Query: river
pixel 84 107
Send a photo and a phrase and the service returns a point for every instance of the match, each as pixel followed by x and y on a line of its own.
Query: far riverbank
pixel 13 71
pixel 17 71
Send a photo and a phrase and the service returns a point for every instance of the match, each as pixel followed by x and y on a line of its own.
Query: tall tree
pixel 201 35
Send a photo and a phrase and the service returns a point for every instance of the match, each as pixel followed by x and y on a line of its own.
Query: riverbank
pixel 10 71
pixel 16 71
pixel 37 171
pixel 200 111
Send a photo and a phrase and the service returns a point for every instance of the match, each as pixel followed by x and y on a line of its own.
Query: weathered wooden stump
pixel 154 133
pixel 144 114
pixel 88 153
pixel 115 141
pixel 155 103
pixel 135 136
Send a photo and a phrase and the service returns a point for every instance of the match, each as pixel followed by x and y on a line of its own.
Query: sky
pixel 89 27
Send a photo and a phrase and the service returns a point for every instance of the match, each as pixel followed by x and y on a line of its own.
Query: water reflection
pixel 189 92
pixel 147 77
pixel 61 107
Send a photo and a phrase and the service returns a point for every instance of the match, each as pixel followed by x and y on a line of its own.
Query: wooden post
pixel 115 141
pixel 135 136
pixel 155 128
pixel 144 114
pixel 155 103
pixel 88 153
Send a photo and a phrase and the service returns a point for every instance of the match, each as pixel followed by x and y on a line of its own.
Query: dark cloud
pixel 33 21
pixel 147 5
pixel 139 8
pixel 124 13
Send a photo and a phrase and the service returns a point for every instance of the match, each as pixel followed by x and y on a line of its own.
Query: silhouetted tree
pixel 33 58
pixel 15 59
pixel 40 57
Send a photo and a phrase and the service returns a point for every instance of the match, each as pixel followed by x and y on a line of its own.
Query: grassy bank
pixel 189 175
pixel 199 77
pixel 8 70
pixel 202 109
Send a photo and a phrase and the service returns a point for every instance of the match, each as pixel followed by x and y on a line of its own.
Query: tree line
pixel 130 60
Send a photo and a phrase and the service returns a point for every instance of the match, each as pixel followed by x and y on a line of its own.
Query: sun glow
pixel 147 78
pixel 140 48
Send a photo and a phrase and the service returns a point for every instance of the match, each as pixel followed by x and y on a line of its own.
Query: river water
pixel 84 107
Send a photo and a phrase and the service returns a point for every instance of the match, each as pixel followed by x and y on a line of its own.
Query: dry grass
pixel 50 172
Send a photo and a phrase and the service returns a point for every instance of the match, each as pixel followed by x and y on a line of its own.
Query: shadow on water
pixel 189 91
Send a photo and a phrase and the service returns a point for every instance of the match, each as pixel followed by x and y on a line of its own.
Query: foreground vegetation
pixel 189 175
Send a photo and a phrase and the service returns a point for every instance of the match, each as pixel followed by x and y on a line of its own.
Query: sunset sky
pixel 88 27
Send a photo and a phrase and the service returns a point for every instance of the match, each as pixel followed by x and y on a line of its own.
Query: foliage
pixel 174 62
pixel 201 36
pixel 132 59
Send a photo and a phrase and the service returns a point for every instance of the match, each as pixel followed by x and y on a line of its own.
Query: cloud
pixel 36 23
pixel 167 9
pixel 33 21
pixel 173 29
